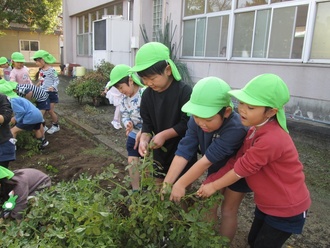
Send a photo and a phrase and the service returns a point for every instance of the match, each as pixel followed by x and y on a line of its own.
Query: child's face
pixel 4 65
pixel 158 82
pixel 254 115
pixel 18 65
pixel 39 62
pixel 209 125
pixel 127 90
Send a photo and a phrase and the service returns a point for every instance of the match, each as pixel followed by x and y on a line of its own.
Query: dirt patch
pixel 73 151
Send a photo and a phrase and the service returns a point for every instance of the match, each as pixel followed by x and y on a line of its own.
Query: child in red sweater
pixel 269 162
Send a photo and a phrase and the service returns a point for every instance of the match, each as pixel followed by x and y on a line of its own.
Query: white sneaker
pixel 116 125
pixel 45 129
pixel 53 129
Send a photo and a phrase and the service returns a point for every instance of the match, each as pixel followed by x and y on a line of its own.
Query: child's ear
pixel 168 70
pixel 271 112
pixel 227 112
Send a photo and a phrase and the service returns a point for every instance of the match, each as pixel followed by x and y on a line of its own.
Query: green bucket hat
pixel 4 172
pixel 7 87
pixel 267 90
pixel 121 71
pixel 3 60
pixel 18 57
pixel 208 97
pixel 46 56
pixel 151 53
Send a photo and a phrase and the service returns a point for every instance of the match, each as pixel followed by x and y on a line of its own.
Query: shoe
pixel 43 144
pixel 53 129
pixel 45 129
pixel 116 125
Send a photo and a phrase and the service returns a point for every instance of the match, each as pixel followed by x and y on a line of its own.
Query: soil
pixel 87 143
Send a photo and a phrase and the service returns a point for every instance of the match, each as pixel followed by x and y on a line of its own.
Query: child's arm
pixel 159 139
pixel 209 189
pixel 178 190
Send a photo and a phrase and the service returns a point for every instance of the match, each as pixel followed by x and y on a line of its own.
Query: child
pixel 26 115
pixel 48 81
pixel 18 185
pixel 269 162
pixel 164 124
pixel 19 73
pixel 216 130
pixel 7 142
pixel 129 85
pixel 34 93
pixel 6 68
pixel 115 98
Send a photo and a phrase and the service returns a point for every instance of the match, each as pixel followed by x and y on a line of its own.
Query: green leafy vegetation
pixel 101 212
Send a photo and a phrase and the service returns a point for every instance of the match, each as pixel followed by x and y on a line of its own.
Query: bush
pixel 91 84
pixel 100 212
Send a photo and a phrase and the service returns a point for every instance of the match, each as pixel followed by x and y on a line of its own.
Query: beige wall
pixel 10 42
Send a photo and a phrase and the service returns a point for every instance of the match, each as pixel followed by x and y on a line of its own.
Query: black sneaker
pixel 43 144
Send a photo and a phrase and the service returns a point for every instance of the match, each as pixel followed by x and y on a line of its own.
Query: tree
pixel 35 14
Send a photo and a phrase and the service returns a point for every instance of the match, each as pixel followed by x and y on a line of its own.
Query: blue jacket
pixel 217 146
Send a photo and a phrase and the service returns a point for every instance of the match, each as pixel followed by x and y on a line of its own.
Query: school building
pixel 231 39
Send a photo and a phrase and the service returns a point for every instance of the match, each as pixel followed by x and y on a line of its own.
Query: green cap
pixel 7 87
pixel 267 90
pixel 151 53
pixel 46 56
pixel 121 71
pixel 4 172
pixel 208 97
pixel 17 57
pixel 3 60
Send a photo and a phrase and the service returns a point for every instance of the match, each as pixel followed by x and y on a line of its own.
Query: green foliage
pixel 165 36
pixel 91 84
pixel 100 212
pixel 27 141
pixel 33 13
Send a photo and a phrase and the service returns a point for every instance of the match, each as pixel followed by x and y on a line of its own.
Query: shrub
pixel 91 84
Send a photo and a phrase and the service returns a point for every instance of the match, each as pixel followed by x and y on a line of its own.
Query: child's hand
pixel 177 193
pixel 206 190
pixel 157 141
pixel 129 127
pixel 137 140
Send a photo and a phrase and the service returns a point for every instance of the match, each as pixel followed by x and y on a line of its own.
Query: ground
pixel 94 144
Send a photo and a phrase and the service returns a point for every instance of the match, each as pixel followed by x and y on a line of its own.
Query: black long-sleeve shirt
pixel 161 111
pixel 6 112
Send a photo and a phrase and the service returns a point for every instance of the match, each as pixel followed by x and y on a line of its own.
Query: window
pixel 157 18
pixel 85 28
pixel 257 30
pixel 249 3
pixel 84 42
pixel 218 5
pixel 205 36
pixel 270 34
pixel 29 45
pixel 321 36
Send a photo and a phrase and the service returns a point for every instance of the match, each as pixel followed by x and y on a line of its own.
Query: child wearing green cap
pixel 7 142
pixel 269 162
pixel 20 73
pixel 6 68
pixel 216 130
pixel 164 124
pixel 130 86
pixel 26 115
pixel 15 188
pixel 48 81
